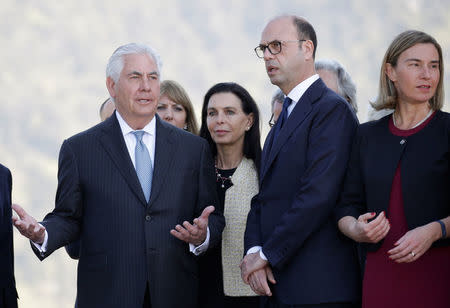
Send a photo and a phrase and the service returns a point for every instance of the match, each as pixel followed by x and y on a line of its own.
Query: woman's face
pixel 416 74
pixel 172 112
pixel 226 121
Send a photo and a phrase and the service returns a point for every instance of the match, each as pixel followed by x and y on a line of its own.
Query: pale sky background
pixel 52 80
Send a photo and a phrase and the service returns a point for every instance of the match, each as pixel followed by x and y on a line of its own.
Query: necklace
pixel 221 178
pixel 424 119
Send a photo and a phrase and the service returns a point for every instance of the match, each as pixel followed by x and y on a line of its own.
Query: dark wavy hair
pixel 252 145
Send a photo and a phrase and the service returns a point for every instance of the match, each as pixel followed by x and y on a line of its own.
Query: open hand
pixel 194 233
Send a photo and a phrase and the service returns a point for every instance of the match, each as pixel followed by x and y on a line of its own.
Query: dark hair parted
pixel 306 32
pixel 387 93
pixel 252 145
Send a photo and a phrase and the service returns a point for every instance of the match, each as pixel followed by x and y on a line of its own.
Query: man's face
pixel 136 92
pixel 284 69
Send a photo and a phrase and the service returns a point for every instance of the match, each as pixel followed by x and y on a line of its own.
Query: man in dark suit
pixel 122 186
pixel 8 293
pixel 295 253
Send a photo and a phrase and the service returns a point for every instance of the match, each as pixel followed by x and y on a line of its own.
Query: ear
pixel 308 49
pixel 250 120
pixel 390 72
pixel 110 85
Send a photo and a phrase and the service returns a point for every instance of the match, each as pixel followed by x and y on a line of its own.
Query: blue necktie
pixel 283 116
pixel 144 168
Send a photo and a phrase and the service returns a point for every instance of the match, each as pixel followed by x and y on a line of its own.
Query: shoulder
pixel 374 127
pixel 4 172
pixel 184 139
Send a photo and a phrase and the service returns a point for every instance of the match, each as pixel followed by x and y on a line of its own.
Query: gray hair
pixel 115 63
pixel 345 84
pixel 278 95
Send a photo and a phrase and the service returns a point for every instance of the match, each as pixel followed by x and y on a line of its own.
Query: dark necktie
pixel 283 116
pixel 144 168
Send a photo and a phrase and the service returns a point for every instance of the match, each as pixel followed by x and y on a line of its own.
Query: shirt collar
pixel 150 128
pixel 297 92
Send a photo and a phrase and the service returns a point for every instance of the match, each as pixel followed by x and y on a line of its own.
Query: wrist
pixel 442 229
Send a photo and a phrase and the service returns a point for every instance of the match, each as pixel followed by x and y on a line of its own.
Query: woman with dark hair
pixel 396 196
pixel 230 124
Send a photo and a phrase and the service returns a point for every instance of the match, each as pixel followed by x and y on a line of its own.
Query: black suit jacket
pixel 425 172
pixel 8 293
pixel 125 240
pixel 292 215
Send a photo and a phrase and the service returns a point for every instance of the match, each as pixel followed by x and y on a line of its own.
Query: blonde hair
pixel 175 92
pixel 387 94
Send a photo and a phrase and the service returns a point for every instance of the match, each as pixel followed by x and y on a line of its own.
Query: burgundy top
pixel 422 283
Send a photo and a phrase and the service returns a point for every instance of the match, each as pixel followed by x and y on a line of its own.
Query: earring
pixel 185 127
pixel 248 128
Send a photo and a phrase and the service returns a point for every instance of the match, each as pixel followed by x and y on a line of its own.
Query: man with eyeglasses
pixel 295 254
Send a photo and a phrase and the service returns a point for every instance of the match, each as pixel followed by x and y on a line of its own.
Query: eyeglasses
pixel 274 47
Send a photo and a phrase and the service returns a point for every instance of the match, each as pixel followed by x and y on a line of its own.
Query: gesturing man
pixel 122 185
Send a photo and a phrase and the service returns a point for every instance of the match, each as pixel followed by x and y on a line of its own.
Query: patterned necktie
pixel 283 116
pixel 143 162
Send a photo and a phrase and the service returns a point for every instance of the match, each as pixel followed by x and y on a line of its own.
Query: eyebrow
pixel 418 60
pixel 140 74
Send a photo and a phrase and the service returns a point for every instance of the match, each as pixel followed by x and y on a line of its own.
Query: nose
pixel 220 118
pixel 145 84
pixel 267 54
pixel 426 73
pixel 168 115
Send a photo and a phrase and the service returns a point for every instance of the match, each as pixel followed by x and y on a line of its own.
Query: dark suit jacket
pixel 125 241
pixel 292 216
pixel 425 172
pixel 8 293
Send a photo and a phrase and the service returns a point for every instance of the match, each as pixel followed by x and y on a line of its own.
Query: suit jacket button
pixel 403 141
pixel 148 217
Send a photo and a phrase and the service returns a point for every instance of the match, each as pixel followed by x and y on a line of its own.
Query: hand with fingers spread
pixel 414 243
pixel 258 281
pixel 194 233
pixel 361 230
pixel 27 225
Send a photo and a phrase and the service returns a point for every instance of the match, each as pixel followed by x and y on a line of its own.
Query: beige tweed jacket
pixel 236 208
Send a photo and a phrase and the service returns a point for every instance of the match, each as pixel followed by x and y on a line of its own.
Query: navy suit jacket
pixel 292 216
pixel 8 293
pixel 125 241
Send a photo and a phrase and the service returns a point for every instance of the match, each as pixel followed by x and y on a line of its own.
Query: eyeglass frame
pixel 264 47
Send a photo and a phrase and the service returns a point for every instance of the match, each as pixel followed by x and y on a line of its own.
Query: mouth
pixel 220 132
pixel 424 87
pixel 271 69
pixel 143 101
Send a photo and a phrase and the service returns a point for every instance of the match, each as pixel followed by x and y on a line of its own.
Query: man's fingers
pixel 207 211
pixel 270 276
pixel 19 210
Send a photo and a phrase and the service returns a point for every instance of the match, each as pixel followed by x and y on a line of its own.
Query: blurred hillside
pixel 52 80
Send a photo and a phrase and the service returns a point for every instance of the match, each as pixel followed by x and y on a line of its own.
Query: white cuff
pixel 43 247
pixel 256 249
pixel 198 250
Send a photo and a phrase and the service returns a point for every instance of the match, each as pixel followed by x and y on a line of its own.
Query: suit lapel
pixel 165 148
pixel 111 138
pixel 297 116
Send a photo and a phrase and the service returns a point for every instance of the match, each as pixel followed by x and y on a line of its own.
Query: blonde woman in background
pixel 175 107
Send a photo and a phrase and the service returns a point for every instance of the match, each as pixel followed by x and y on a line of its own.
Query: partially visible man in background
pixel 338 79
pixel 106 109
pixel 8 293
